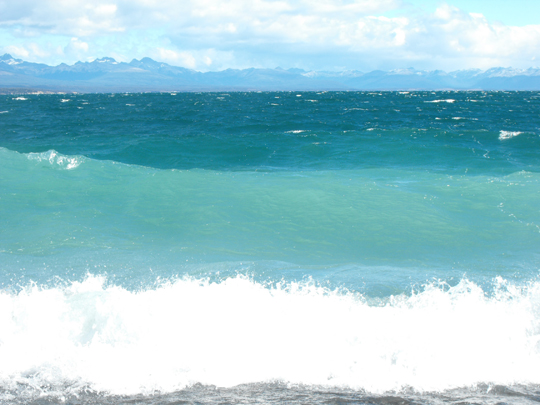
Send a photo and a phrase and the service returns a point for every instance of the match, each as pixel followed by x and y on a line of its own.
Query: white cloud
pixel 213 34
pixel 76 49
pixel 103 10
pixel 76 45
pixel 185 59
pixel 350 9
pixel 99 17
pixel 455 35
pixel 29 51
pixel 17 51
pixel 197 59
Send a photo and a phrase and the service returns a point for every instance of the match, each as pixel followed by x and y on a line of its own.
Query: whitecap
pixel 57 160
pixel 19 98
pixel 450 100
pixel 508 134
pixel 65 100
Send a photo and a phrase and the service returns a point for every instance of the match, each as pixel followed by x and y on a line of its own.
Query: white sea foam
pixel 65 100
pixel 87 334
pixel 4 112
pixel 441 101
pixel 508 134
pixel 57 160
pixel 20 98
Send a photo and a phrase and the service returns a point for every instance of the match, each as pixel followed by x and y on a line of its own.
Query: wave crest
pixel 58 160
pixel 508 134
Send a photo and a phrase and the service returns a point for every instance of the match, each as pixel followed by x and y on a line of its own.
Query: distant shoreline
pixel 105 75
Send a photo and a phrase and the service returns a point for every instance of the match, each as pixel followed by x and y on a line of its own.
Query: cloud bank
pixel 314 34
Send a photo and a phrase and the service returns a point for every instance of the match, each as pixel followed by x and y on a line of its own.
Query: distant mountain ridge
pixel 108 75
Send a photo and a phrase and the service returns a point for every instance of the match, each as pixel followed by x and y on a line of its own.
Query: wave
pixel 93 335
pixel 62 207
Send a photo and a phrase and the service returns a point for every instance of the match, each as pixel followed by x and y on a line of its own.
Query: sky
pixel 332 35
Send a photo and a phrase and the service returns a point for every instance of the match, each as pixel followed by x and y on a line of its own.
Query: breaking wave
pixel 102 337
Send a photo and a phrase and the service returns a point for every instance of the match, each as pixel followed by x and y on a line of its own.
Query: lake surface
pixel 274 247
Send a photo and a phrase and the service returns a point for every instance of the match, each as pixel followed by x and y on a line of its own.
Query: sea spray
pixel 237 331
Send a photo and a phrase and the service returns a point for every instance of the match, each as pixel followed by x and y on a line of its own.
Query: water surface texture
pixel 279 247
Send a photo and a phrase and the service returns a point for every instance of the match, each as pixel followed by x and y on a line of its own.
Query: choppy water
pixel 270 248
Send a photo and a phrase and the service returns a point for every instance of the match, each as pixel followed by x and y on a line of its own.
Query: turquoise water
pixel 332 241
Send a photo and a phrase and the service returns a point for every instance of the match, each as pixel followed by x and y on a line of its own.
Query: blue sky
pixel 310 34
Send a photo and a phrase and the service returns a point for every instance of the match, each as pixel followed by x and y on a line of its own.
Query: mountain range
pixel 108 75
